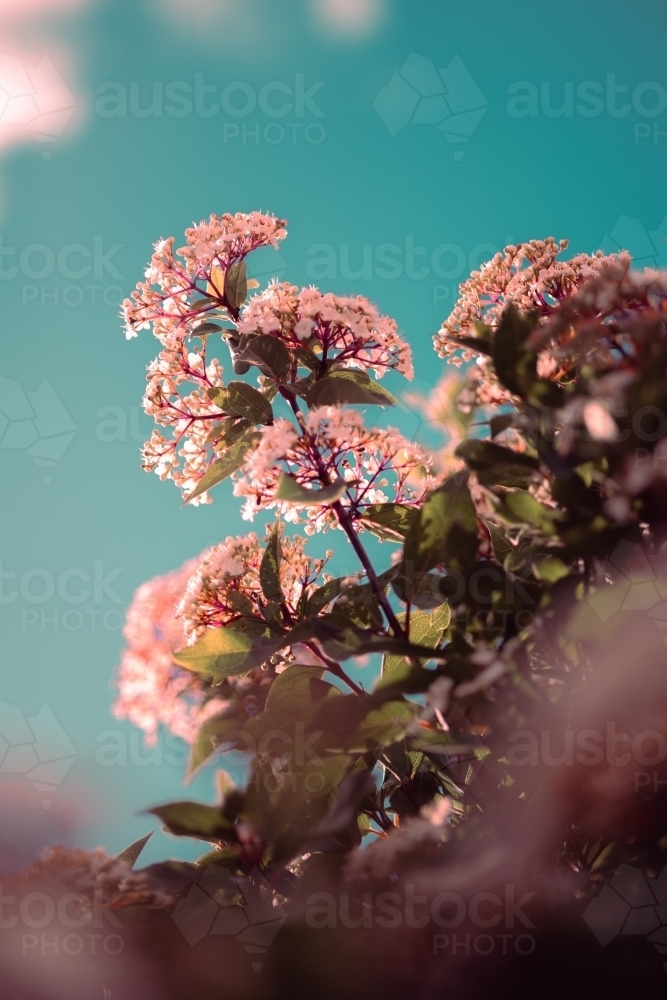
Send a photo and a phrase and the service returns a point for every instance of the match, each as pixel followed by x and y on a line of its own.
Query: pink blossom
pixel 529 276
pixel 378 465
pixel 96 878
pixel 348 329
pixel 182 289
pixel 227 579
pixel 153 690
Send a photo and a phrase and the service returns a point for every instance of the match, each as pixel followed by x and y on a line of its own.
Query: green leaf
pixel 323 596
pixel 426 629
pixel 203 746
pixel 236 285
pixel 291 692
pixel 218 395
pixel 386 724
pixel 290 491
pixel 307 358
pixel 550 570
pixel 388 520
pixel 244 401
pixel 521 506
pixel 267 352
pixel 482 455
pixel 223 467
pixel 132 852
pixel 501 423
pixel 345 386
pixel 269 570
pixel 502 547
pixel 444 532
pixel 221 652
pixel 364 381
pixel 495 464
pixel 354 723
pixel 205 329
pixel 231 430
pixel 341 643
pixel 193 819
pixel 358 604
pixel 514 365
pixel 223 857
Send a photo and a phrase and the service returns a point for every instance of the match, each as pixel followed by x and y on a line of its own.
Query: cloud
pixel 349 17
pixel 36 98
pixel 256 22
pixel 215 21
pixel 13 11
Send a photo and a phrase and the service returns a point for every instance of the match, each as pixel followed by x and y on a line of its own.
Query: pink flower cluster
pixel 190 288
pixel 348 328
pixel 528 275
pixel 226 584
pixel 378 465
pixel 179 293
pixel 185 456
pixel 95 877
pixel 153 690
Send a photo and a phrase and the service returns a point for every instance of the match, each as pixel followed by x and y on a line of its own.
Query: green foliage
pixel 347 386
pixel 482 624
pixel 192 819
pixel 387 520
pixel 290 491
pixel 442 533
pixel 131 853
pixel 241 400
pixel 269 570
pixel 268 353
pixel 222 468
pixel 236 286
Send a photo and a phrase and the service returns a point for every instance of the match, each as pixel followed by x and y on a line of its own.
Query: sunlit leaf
pixel 236 285
pixel 269 570
pixel 243 400
pixel 388 520
pixel 345 386
pixel 220 652
pixel 290 491
pixel 444 532
pixel 193 819
pixel 223 467
pixel 267 352
pixel 131 853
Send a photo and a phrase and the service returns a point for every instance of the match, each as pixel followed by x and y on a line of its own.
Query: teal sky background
pixel 348 182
